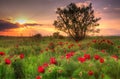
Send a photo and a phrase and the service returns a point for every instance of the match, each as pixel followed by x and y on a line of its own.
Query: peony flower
pixel 7 61
pixel 41 69
pixel 96 57
pixel 101 60
pixel 53 60
pixel 21 56
pixel 38 77
pixel 45 65
pixel 81 59
pixel 90 73
pixel 115 57
pixel 2 53
pixel 87 56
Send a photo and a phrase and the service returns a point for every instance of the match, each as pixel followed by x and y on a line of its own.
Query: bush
pixel 37 36
pixel 105 44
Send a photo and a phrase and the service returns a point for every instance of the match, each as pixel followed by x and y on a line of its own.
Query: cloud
pixel 33 24
pixel 5 25
pixel 36 24
pixel 105 8
pixel 85 3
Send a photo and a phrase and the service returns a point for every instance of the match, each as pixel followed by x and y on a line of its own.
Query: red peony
pixel 2 53
pixel 115 57
pixel 118 46
pixel 7 61
pixel 87 56
pixel 21 56
pixel 103 51
pixel 53 60
pixel 45 65
pixel 81 59
pixel 90 73
pixel 94 41
pixel 101 60
pixel 96 57
pixel 41 69
pixel 38 77
pixel 69 55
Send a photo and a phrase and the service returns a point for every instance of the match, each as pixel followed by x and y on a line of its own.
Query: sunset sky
pixel 29 17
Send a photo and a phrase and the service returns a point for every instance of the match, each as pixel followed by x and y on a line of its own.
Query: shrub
pixel 106 45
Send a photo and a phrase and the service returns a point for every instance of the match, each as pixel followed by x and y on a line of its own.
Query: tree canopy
pixel 76 21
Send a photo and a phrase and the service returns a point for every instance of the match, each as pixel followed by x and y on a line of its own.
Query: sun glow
pixel 21 21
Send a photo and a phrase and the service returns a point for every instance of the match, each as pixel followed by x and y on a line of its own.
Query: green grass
pixel 39 51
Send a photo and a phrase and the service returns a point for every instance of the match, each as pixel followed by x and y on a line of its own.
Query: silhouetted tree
pixel 57 35
pixel 76 21
pixel 37 36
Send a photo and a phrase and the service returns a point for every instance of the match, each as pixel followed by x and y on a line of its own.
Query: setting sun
pixel 21 21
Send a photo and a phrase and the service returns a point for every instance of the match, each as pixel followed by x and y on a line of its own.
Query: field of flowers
pixel 49 58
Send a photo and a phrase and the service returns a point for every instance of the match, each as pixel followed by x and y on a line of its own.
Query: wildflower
pixel 118 46
pixel 2 53
pixel 81 59
pixel 53 60
pixel 90 73
pixel 46 49
pixel 7 61
pixel 101 60
pixel 45 65
pixel 96 57
pixel 38 77
pixel 103 51
pixel 87 56
pixel 21 56
pixel 115 57
pixel 94 41
pixel 69 55
pixel 41 69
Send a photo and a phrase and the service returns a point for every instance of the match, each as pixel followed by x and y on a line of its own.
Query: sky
pixel 29 17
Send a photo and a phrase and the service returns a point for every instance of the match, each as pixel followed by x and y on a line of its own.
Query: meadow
pixel 51 58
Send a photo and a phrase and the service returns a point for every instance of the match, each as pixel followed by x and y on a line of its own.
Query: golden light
pixel 21 21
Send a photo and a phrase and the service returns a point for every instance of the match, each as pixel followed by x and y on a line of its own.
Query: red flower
pixel 60 43
pixel 94 41
pixel 41 69
pixel 79 45
pixel 103 51
pixel 7 61
pixel 87 56
pixel 2 53
pixel 115 57
pixel 118 46
pixel 46 49
pixel 90 73
pixel 69 55
pixel 21 56
pixel 101 60
pixel 81 59
pixel 45 65
pixel 96 57
pixel 38 77
pixel 53 60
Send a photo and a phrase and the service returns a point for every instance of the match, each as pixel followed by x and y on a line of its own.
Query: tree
pixel 57 35
pixel 76 21
pixel 37 36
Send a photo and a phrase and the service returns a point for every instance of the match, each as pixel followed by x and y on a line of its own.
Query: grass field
pixel 50 58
